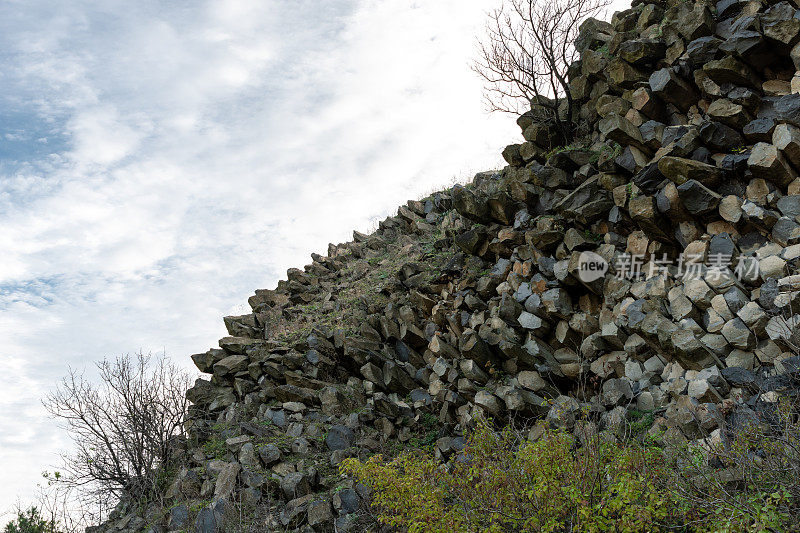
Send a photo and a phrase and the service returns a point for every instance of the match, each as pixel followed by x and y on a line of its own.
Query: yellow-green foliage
pixel 537 486
pixel 554 484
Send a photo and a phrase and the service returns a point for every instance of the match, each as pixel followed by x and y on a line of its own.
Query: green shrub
pixel 30 521
pixel 503 485
pixel 508 483
pixel 215 447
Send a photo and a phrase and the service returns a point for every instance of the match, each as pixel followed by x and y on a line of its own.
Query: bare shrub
pixel 59 510
pixel 526 55
pixel 127 429
pixel 750 474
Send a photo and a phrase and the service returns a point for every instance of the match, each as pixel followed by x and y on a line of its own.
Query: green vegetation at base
pixel 505 482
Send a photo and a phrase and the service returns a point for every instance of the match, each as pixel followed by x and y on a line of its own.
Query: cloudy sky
pixel 159 161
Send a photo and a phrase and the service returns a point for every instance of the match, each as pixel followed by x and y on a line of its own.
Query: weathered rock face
pixel 478 301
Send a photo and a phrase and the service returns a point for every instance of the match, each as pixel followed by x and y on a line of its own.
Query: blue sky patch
pixel 27 136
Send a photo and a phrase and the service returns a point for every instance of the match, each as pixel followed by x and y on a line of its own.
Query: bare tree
pixel 126 429
pixel 526 55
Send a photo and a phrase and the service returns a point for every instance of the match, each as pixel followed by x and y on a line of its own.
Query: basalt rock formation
pixel 475 301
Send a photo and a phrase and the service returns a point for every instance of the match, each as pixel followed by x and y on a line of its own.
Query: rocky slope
pixel 473 301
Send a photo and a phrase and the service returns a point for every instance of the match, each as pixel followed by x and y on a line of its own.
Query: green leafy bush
pixel 30 521
pixel 507 483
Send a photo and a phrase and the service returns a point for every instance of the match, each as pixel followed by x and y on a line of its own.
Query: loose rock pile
pixel 476 301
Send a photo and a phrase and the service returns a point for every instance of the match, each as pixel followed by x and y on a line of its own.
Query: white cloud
pixel 101 137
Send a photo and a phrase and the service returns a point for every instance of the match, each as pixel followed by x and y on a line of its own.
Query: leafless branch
pixel 125 429
pixel 527 52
